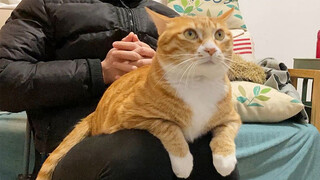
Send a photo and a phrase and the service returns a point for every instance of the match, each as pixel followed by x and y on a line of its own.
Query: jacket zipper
pixel 131 20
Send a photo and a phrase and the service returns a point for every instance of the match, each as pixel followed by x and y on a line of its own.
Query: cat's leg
pixel 223 147
pixel 174 142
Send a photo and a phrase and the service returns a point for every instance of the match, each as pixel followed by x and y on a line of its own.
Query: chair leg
pixel 39 160
pixel 26 155
pixel 26 160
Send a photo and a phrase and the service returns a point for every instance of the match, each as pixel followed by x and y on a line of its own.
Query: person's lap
pixel 130 155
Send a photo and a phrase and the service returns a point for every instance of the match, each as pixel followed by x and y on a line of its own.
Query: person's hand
pixel 132 43
pixel 111 70
pixel 127 55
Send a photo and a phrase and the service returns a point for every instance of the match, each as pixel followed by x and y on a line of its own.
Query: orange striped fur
pixel 150 98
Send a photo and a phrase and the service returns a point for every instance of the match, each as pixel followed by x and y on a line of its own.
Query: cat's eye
pixel 190 34
pixel 219 35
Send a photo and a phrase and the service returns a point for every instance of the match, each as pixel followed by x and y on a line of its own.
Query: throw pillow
pixel 259 103
pixel 211 8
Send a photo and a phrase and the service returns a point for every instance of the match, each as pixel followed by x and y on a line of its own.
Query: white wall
pixel 9 4
pixel 283 29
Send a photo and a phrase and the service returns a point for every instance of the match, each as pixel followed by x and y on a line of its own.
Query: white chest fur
pixel 202 96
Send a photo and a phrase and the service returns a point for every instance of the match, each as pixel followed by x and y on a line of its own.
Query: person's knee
pixel 137 155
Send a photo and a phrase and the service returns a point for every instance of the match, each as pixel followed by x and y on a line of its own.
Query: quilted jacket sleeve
pixel 29 79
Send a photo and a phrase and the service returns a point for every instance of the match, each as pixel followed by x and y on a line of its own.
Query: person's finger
pixel 142 44
pixel 124 66
pixel 127 55
pixel 129 37
pixel 117 77
pixel 145 52
pixel 141 62
pixel 135 38
pixel 129 46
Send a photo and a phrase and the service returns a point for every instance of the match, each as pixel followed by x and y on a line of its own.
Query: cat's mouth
pixel 209 61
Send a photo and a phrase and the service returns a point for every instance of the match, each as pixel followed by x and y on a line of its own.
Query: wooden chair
pixel 315 93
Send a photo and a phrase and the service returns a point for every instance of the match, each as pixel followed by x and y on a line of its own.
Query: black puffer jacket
pixel 50 54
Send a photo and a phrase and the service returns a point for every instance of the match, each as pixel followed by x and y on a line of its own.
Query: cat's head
pixel 193 46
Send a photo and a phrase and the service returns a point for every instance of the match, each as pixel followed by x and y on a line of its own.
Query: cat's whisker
pixel 194 69
pixel 181 63
pixel 191 69
pixel 187 70
pixel 181 56
pixel 182 75
pixel 189 65
pixel 187 78
pixel 173 67
pixel 173 63
pixel 176 55
pixel 230 69
pixel 232 61
pixel 235 62
pixel 192 65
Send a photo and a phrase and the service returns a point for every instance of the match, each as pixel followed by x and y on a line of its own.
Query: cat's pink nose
pixel 210 51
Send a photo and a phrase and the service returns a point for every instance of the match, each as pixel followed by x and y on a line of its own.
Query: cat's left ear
pixel 226 15
pixel 159 20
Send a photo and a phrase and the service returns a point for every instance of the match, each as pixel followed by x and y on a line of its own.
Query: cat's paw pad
pixel 182 166
pixel 224 165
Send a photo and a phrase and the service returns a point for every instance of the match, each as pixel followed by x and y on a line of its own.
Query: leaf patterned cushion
pixel 259 103
pixel 211 8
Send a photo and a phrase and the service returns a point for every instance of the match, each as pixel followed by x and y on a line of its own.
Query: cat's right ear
pixel 225 16
pixel 159 20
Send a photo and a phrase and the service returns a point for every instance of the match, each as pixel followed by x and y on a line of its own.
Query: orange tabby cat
pixel 184 94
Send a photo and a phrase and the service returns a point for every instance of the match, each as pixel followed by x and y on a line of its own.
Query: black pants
pixel 132 155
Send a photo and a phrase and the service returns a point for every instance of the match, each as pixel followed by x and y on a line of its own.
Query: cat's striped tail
pixel 81 130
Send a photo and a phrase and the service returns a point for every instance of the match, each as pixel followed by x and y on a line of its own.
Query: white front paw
pixel 182 166
pixel 224 165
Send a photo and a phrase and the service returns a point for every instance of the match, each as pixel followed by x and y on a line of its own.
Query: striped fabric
pixel 243 44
